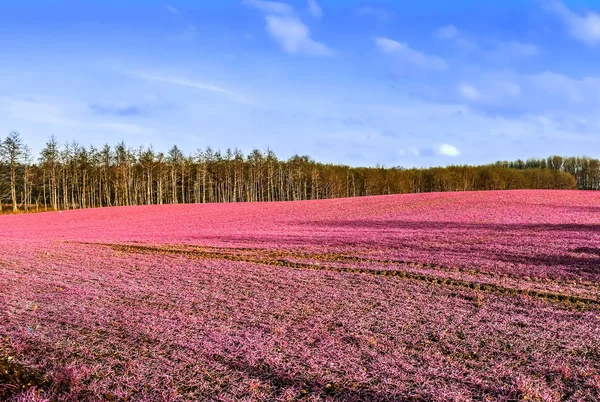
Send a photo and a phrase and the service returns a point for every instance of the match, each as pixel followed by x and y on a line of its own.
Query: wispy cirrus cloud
pixel 490 48
pixel 286 28
pixel 193 84
pixel 315 9
pixel 406 54
pixel 584 28
pixel 190 31
pixel 172 9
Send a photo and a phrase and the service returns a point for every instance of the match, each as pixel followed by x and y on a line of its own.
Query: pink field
pixel 445 297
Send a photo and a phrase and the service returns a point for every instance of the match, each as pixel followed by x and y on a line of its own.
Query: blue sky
pixel 355 82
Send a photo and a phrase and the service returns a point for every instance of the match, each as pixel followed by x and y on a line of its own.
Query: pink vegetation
pixel 448 297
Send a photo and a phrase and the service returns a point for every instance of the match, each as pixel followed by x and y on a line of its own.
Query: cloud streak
pixel 408 55
pixel 172 9
pixel 584 28
pixel 494 48
pixel 314 9
pixel 187 83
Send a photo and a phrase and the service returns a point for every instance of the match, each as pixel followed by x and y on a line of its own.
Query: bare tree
pixel 12 152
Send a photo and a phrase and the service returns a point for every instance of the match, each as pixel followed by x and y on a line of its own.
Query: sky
pixel 364 83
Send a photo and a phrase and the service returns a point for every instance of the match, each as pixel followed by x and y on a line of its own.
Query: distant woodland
pixel 70 176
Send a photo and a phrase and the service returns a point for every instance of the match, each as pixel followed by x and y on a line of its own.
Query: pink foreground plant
pixel 446 297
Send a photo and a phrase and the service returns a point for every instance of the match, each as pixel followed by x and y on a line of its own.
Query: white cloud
pixel 172 9
pixel 389 46
pixel 584 28
pixel 447 150
pixel 271 7
pixel 447 32
pixel 469 92
pixel 494 48
pixel 315 9
pixel 286 28
pixel 411 56
pixel 294 36
pixel 168 79
pixel 429 151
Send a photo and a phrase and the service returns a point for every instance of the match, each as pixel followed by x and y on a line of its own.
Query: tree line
pixel 585 170
pixel 70 176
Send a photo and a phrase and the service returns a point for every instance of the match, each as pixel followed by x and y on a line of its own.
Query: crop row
pixel 277 258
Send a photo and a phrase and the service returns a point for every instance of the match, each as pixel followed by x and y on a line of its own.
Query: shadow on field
pixel 587 268
pixel 461 226
pixel 589 210
pixel 281 381
pixel 582 262
pixel 15 378
pixel 587 250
